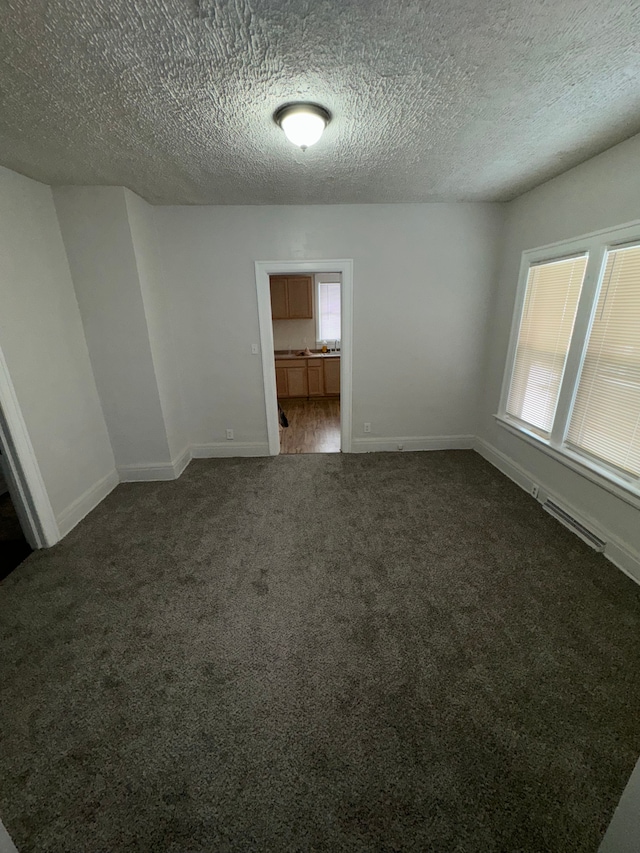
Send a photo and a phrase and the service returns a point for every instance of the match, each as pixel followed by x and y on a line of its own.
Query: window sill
pixel 608 480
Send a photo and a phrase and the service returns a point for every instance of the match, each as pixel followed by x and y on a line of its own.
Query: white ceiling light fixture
pixel 303 124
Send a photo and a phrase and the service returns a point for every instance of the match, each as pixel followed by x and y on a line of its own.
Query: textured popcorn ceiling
pixel 432 99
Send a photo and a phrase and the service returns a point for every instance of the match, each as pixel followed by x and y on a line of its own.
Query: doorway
pixel 20 471
pixel 303 309
pixel 14 548
pixel 305 314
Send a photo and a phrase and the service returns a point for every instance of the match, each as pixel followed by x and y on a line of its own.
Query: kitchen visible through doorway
pixel 306 319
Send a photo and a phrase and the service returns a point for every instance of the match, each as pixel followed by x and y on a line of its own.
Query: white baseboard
pixel 151 471
pixel 145 473
pixel 429 442
pixel 229 448
pixel 83 505
pixel 616 551
pixel 181 461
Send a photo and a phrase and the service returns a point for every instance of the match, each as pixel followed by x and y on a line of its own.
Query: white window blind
pixel 605 421
pixel 550 304
pixel 329 311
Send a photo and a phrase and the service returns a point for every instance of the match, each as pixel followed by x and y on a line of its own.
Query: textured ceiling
pixel 433 100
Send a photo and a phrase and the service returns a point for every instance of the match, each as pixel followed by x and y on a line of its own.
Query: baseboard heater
pixel 570 522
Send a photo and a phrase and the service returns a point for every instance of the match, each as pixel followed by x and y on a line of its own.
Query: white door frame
pixel 263 270
pixel 21 468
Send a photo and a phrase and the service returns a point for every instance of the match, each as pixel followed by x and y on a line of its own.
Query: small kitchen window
pixel 328 308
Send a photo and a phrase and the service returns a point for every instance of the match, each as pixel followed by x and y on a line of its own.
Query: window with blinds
pixel 550 303
pixel 329 311
pixel 605 421
pixel 573 382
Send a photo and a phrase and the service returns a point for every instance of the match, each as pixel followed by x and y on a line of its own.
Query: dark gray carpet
pixel 385 652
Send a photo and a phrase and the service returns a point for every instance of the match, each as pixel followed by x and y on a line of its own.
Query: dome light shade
pixel 303 124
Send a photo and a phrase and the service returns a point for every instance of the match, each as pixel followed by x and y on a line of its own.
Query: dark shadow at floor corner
pixel 14 548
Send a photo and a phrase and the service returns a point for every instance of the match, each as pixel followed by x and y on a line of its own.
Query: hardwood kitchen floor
pixel 314 426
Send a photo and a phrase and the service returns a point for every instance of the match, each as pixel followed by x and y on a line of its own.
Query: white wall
pixel 623 834
pixel 6 844
pixel 42 338
pixel 423 276
pixel 600 193
pixel 159 316
pixel 95 227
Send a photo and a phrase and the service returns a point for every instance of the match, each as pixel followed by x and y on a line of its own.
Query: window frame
pixel 595 245
pixel 326 278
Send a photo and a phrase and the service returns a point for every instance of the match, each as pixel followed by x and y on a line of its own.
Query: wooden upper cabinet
pixel 279 297
pixel 300 297
pixel 291 297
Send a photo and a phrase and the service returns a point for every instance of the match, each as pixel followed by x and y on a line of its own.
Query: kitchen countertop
pixel 279 355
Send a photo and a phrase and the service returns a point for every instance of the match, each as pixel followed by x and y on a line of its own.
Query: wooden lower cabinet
pixel 308 377
pixel 291 378
pixel 315 377
pixel 297 382
pixel 331 377
pixel 282 386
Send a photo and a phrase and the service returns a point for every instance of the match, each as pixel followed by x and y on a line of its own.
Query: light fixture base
pixel 286 109
pixel 303 122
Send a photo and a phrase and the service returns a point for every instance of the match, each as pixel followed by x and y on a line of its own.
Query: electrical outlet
pixel 367 427
pixel 254 349
pixel 230 434
pixel 534 490
pixel 401 447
